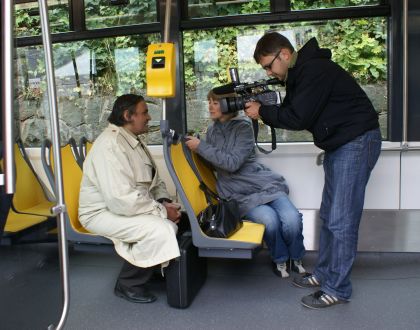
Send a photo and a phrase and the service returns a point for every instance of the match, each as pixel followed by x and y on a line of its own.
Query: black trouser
pixel 131 276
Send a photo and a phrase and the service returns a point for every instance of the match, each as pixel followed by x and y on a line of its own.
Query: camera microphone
pixel 224 89
pixel 274 81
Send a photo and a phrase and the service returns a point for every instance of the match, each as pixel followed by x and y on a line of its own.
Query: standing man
pixel 123 199
pixel 324 99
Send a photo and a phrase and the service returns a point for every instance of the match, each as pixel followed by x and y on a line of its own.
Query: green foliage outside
pixel 359 45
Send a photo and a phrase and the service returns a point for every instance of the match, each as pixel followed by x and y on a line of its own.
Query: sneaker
pixel 320 299
pixel 306 281
pixel 280 269
pixel 297 266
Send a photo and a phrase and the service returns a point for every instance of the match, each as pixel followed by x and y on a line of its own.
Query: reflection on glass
pixel 321 4
pixel 358 45
pixel 89 76
pixel 105 13
pixel 209 8
pixel 27 22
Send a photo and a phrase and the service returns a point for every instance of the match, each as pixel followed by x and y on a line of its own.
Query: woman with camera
pixel 262 195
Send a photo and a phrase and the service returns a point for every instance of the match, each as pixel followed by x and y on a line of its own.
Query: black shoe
pixel 297 266
pixel 320 299
pixel 308 280
pixel 280 269
pixel 139 294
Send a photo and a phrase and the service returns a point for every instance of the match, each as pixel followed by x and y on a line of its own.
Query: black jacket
pixel 324 99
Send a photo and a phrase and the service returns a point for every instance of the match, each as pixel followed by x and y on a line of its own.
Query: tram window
pixel 358 45
pixel 89 76
pixel 106 13
pixel 28 22
pixel 209 8
pixel 320 4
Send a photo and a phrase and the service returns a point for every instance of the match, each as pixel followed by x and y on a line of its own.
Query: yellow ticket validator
pixel 160 70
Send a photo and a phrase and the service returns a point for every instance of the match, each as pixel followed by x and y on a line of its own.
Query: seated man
pixel 123 199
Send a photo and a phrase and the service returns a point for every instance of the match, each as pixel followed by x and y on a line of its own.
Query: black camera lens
pixel 232 104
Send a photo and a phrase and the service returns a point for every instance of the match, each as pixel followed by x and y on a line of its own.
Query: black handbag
pixel 221 219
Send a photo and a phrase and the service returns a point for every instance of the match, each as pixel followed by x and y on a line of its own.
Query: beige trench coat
pixel 118 194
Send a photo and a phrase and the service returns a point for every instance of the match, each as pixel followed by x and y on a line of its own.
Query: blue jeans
pixel 347 170
pixel 283 228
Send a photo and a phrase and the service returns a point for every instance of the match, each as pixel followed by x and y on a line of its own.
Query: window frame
pixel 280 13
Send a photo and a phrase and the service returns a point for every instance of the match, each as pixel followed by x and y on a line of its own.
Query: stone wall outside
pixel 87 117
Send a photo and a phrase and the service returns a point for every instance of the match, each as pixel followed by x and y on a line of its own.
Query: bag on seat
pixel 185 275
pixel 220 220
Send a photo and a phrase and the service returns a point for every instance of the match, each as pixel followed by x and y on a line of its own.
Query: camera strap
pixel 273 137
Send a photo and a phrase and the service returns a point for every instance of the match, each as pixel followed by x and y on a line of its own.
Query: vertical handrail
pixel 8 178
pixel 60 208
pixel 405 76
pixel 166 39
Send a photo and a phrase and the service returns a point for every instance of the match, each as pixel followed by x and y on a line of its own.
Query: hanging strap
pixel 273 137
pixel 210 194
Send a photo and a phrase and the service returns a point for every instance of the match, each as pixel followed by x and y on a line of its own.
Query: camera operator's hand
pixel 192 142
pixel 173 211
pixel 252 110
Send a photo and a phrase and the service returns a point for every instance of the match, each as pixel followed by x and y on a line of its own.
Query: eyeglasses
pixel 269 65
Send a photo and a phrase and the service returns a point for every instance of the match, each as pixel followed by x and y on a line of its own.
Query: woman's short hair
pixel 270 43
pixel 212 95
pixel 122 103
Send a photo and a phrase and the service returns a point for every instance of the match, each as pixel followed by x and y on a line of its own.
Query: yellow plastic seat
pixel 72 177
pixel 18 222
pixel 240 245
pixel 31 210
pixel 29 196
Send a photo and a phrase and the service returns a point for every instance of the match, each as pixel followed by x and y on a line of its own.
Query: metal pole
pixel 60 208
pixel 8 179
pixel 168 9
pixel 405 76
pixel 166 39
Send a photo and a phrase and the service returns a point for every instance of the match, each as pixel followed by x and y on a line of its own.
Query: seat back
pixel 29 196
pixel 205 172
pixel 84 147
pixel 72 177
pixel 188 179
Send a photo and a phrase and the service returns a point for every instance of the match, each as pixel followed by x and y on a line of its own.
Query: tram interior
pixel 101 54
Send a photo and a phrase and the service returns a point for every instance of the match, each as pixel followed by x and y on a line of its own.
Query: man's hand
pixel 192 142
pixel 173 210
pixel 252 110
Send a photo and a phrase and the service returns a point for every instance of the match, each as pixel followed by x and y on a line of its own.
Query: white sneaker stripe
pixel 331 299
pixel 325 300
pixel 312 280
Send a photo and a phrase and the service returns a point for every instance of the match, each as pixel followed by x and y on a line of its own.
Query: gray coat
pixel 229 147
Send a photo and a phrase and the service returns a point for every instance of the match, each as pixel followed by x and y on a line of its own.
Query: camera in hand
pixel 247 92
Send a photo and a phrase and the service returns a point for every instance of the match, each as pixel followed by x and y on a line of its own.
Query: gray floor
pixel 238 294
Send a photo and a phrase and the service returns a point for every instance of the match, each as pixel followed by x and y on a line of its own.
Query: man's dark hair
pixel 270 43
pixel 122 103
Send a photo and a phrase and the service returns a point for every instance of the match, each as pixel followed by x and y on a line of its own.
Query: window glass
pixel 210 8
pixel 319 4
pixel 108 13
pixel 27 22
pixel 89 76
pixel 358 45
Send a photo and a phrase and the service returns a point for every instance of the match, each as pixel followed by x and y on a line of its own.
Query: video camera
pixel 247 92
